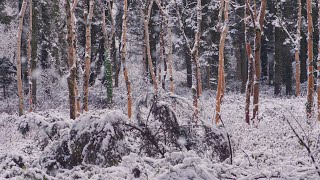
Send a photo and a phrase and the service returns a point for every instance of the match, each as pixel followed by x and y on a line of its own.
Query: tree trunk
pixel 29 58
pixel 87 19
pixel 123 57
pixel 257 62
pixel 310 60
pixel 147 42
pixel 71 58
pixel 170 61
pixel 19 80
pixel 297 50
pixel 221 81
pixel 318 64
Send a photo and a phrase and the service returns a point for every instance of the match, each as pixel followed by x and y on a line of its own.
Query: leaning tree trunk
pixel 310 60
pixel 147 42
pixel 29 58
pixel 221 80
pixel 71 58
pixel 257 62
pixel 88 20
pixel 123 56
pixel 297 50
pixel 19 80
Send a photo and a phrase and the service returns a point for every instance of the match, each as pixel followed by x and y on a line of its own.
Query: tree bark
pixel 19 80
pixel 147 42
pixel 71 78
pixel 310 59
pixel 221 80
pixel 29 58
pixel 318 64
pixel 123 56
pixel 297 50
pixel 257 62
pixel 88 20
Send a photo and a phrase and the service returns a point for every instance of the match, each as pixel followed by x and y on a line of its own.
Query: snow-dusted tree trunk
pixel 147 42
pixel 170 66
pixel 29 57
pixel 195 49
pixel 71 58
pixel 107 53
pixel 310 59
pixel 250 66
pixel 297 50
pixel 318 63
pixel 221 81
pixel 123 56
pixel 257 61
pixel 88 20
pixel 197 85
pixel 19 80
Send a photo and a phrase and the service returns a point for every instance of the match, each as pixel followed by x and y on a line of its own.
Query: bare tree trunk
pixel 297 50
pixel 147 42
pixel 29 58
pixel 71 58
pixel 123 56
pixel 19 80
pixel 170 60
pixel 221 80
pixel 250 66
pixel 195 50
pixel 257 62
pixel 318 64
pixel 88 20
pixel 310 59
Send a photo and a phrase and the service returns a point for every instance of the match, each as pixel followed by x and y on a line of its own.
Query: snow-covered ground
pixel 267 149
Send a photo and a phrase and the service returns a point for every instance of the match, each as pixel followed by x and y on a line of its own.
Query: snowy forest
pixel 159 89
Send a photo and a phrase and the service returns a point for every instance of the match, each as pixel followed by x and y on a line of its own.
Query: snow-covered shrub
pixel 42 129
pixel 161 132
pixel 11 165
pixel 98 138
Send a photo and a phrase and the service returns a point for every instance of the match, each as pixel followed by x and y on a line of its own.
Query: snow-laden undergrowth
pixel 266 149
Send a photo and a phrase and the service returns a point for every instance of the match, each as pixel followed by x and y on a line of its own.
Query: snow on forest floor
pixel 267 149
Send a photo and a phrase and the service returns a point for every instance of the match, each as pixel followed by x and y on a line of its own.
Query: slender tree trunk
pixel 297 50
pixel 249 83
pixel 34 50
pixel 221 80
pixel 87 19
pixel 318 64
pixel 19 80
pixel 29 58
pixel 196 49
pixel 123 56
pixel 310 59
pixel 147 42
pixel 170 60
pixel 107 54
pixel 71 58
pixel 257 62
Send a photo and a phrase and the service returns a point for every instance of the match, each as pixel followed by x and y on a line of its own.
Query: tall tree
pixel 146 21
pixel 225 28
pixel 318 75
pixel 297 49
pixel 88 20
pixel 123 56
pixel 257 52
pixel 310 59
pixel 29 57
pixel 71 57
pixel 19 80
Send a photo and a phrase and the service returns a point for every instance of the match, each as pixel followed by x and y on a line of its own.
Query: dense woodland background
pixel 49 46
